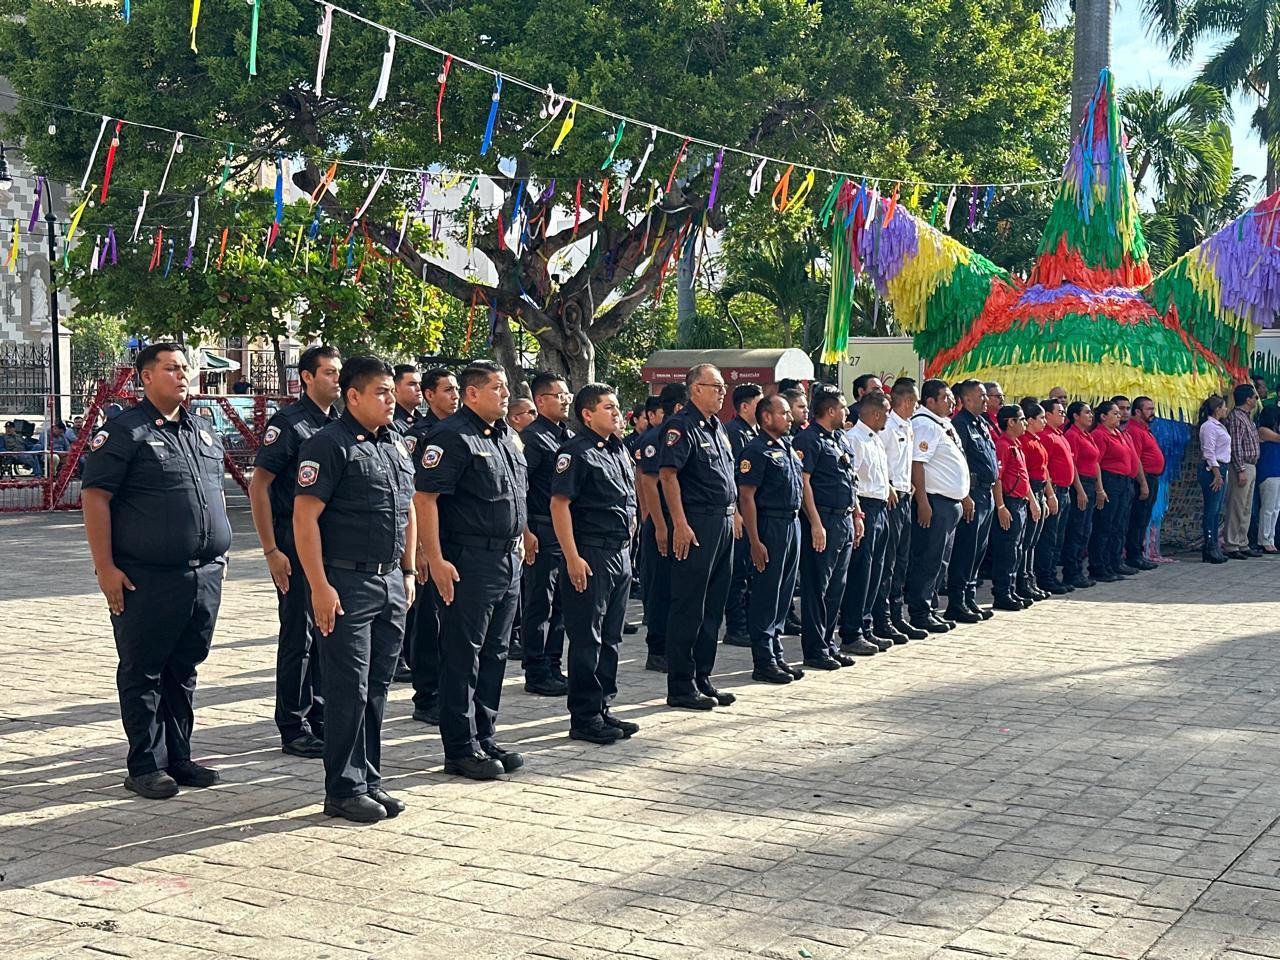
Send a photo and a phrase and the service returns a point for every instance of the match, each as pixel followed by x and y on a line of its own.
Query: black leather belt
pixel 879 501
pixel 603 543
pixel 786 514
pixel 380 569
pixel 496 544
pixel 709 511
pixel 834 511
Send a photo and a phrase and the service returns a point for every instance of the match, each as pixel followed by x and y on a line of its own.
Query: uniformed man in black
pixel 440 387
pixel 541 624
pixel 831 527
pixel 696 473
pixel 408 397
pixel 472 484
pixel 972 427
pixel 655 529
pixel 593 507
pixel 741 429
pixel 299 700
pixel 156 520
pixel 354 527
pixel 770 492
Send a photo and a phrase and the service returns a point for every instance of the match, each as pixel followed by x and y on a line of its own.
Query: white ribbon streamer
pixel 372 193
pixel 325 31
pixel 195 222
pixel 757 178
pixel 137 224
pixel 94 155
pixel 951 203
pixel 644 160
pixel 384 78
pixel 177 139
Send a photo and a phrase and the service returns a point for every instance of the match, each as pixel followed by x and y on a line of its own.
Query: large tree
pixel 945 89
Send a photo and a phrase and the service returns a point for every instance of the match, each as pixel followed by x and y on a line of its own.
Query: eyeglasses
pixel 717 387
pixel 558 396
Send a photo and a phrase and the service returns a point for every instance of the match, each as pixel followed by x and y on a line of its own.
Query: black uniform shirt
pixel 480 475
pixel 740 434
pixel 542 440
pixel 772 467
pixel 829 463
pixel 404 420
pixel 419 429
pixel 596 475
pixel 632 442
pixel 698 448
pixel 165 478
pixel 647 458
pixel 366 483
pixel 979 448
pixel 278 452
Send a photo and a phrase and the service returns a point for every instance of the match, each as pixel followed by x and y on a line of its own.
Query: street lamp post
pixel 51 224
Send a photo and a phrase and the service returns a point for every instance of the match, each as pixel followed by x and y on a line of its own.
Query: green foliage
pixel 1181 139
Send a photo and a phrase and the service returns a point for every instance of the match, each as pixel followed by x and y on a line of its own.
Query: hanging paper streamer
pixel 757 178
pixel 222 246
pixel 195 20
pixel 253 40
pixel 973 207
pixel 208 252
pixel 127 11
pixel 323 185
pixel 604 199
pixel 109 249
pixel 404 225
pixel 326 32
pixel 97 253
pixel 951 204
pixel 622 199
pixel 471 229
pixel 279 188
pixel 893 205
pixel 937 206
pixel 715 180
pixel 195 227
pixel 565 127
pixel 805 188
pixel 986 200
pixel 472 187
pixel 443 78
pixel 75 225
pixel 156 241
pixel 617 139
pixel 226 170
pixel 12 262
pixel 675 166
pixel 35 210
pixel 577 208
pixel 111 160
pixel 175 149
pixel 779 198
pixel 93 154
pixel 377 184
pixel 297 244
pixel 137 224
pixel 168 263
pixel 493 115
pixel 384 77
pixel 648 152
pixel 914 201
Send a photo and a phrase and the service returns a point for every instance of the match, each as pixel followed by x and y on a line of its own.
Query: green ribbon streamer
pixel 617 139
pixel 253 40
pixel 470 189
pixel 829 205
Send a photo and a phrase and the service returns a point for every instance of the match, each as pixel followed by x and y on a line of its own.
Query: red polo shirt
pixel 1115 452
pixel 1149 453
pixel 1036 455
pixel 1062 462
pixel 1014 480
pixel 1085 450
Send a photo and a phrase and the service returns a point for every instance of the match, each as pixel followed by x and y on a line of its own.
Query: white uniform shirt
pixel 946 472
pixel 869 462
pixel 897 438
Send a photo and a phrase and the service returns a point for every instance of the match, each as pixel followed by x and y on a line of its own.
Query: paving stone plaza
pixel 1098 777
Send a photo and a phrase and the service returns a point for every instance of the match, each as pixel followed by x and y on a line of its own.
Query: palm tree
pixel 1091 51
pixel 781 271
pixel 1181 139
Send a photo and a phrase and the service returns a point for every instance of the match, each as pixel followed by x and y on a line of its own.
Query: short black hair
pixel 696 371
pixel 589 396
pixel 824 403
pixel 965 387
pixel 768 403
pixel 652 402
pixel 932 389
pixel 1010 411
pixel 904 386
pixel 1139 401
pixel 1119 398
pixel 673 395
pixel 791 394
pixel 431 379
pixel 861 380
pixel 309 362
pixel 744 393
pixel 872 399
pixel 1270 418
pixel 543 379
pixel 358 371
pixel 400 369
pixel 477 373
pixel 147 356
pixel 1242 393
pixel 787 383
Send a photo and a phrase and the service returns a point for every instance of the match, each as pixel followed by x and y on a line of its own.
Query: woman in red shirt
pixel 1042 495
pixel 1067 490
pixel 1013 502
pixel 1075 543
pixel 1119 465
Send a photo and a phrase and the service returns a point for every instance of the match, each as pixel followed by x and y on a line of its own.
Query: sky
pixel 1138 60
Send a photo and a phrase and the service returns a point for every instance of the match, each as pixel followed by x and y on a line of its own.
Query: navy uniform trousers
pixel 655 582
pixel 299 700
pixel 897 553
pixel 866 567
pixel 736 609
pixel 593 622
pixel 474 631
pixel 1051 538
pixel 771 590
pixel 1075 541
pixel 930 549
pixel 1135 541
pixel 970 545
pixel 822 583
pixel 541 619
pixel 425 647
pixel 359 659
pixel 1031 537
pixel 161 637
pixel 1008 548
pixel 699 588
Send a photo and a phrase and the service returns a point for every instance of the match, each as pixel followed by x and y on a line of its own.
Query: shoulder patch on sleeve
pixel 745 466
pixel 271 436
pixel 410 442
pixel 98 440
pixel 650 451
pixel 308 473
pixel 673 437
pixel 562 462
pixel 432 456
pixel 799 455
pixel 924 446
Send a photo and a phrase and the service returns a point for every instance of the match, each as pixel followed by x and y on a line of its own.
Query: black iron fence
pixel 24 377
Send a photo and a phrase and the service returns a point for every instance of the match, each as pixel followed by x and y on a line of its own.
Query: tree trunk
pixel 686 301
pixel 1092 52
pixel 282 377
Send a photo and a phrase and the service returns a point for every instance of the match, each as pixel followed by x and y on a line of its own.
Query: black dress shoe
pixel 1126 571
pixel 934 625
pixel 361 809
pixel 191 774
pixel 515 652
pixel 962 615
pixel 154 786
pixel 1052 587
pixel 476 766
pixel 858 647
pixel 797 673
pixel 1239 555
pixel 1027 602
pixel 690 701
pixel 1003 602
pixel 630 628
pixel 429 715
pixel 388 803
pixel 1068 587
pixel 1082 582
pixel 843 659
pixel 306 746
pixel 982 612
pixel 545 687
pixel 910 630
pixel 1255 551
pixel 721 697
pixel 822 663
pixel 889 632
pixel 792 627
pixel 1105 576
pixel 628 728
pixel 770 673
pixel 736 640
pixel 403 674
pixel 510 760
pixel 598 732
pixel 1212 557
pixel 656 663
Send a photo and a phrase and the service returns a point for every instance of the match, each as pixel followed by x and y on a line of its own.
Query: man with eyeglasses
pixel 696 473
pixel 541 626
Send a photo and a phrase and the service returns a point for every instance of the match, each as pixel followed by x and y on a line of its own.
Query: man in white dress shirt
pixel 865 566
pixel 887 620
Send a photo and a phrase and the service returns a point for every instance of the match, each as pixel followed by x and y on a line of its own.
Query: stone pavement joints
pixel 1095 778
